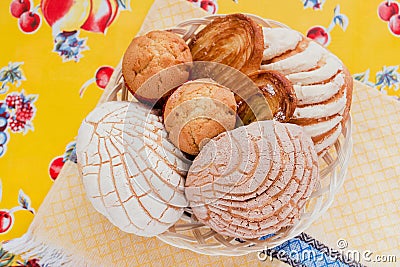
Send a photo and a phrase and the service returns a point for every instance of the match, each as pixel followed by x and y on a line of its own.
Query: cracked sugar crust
pixel 149 54
pixel 198 111
pixel 131 173
pixel 253 180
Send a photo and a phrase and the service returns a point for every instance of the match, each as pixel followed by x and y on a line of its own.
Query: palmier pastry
pixel 276 90
pixel 197 111
pixel 234 40
pixel 254 180
pixel 131 173
pixel 322 83
pixel 148 55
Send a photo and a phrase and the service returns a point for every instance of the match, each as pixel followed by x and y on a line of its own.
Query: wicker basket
pixel 188 233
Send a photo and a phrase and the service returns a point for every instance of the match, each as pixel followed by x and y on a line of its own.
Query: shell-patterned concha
pixel 131 173
pixel 254 180
pixel 322 83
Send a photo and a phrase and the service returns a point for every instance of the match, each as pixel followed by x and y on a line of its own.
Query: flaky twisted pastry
pixel 253 180
pixel 234 40
pixel 277 91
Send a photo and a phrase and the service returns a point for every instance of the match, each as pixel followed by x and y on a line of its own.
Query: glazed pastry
pixel 254 180
pixel 197 111
pixel 148 55
pixel 131 173
pixel 234 40
pixel 276 90
pixel 322 83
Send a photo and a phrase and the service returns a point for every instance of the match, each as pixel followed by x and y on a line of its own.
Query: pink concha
pixel 131 173
pixel 253 180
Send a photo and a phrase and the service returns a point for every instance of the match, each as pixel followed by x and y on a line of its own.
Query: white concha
pixel 322 83
pixel 132 174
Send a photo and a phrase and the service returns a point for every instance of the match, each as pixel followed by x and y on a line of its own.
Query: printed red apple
pixel 101 15
pixel 29 22
pixel 103 75
pixel 55 167
pixel 66 15
pixel 209 6
pixel 394 25
pixel 6 221
pixel 388 9
pixel 101 78
pixel 17 7
pixel 319 34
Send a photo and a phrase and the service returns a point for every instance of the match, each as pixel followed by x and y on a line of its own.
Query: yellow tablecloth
pixel 47 83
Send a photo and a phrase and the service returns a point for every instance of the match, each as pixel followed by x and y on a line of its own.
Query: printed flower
pixel 388 77
pixel 13 260
pixel 314 4
pixel 364 78
pixel 11 74
pixel 339 19
pixel 6 258
pixel 124 4
pixel 69 46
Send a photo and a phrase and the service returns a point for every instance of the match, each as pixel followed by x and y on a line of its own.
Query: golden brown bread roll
pixel 148 55
pixel 197 111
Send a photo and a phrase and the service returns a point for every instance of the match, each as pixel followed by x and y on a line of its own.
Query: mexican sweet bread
pixel 197 111
pixel 149 54
pixel 322 84
pixel 132 174
pixel 234 40
pixel 245 164
pixel 253 180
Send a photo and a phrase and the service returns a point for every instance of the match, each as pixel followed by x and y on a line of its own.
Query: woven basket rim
pixel 336 160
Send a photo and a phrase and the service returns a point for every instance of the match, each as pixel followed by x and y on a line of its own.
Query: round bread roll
pixel 322 83
pixel 131 173
pixel 197 111
pixel 253 180
pixel 148 55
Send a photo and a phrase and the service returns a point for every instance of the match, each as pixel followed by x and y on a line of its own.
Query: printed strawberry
pixel 14 101
pixel 25 112
pixel 16 126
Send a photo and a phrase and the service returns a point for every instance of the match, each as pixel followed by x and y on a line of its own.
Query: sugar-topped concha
pixel 131 173
pixel 254 180
pixel 322 83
